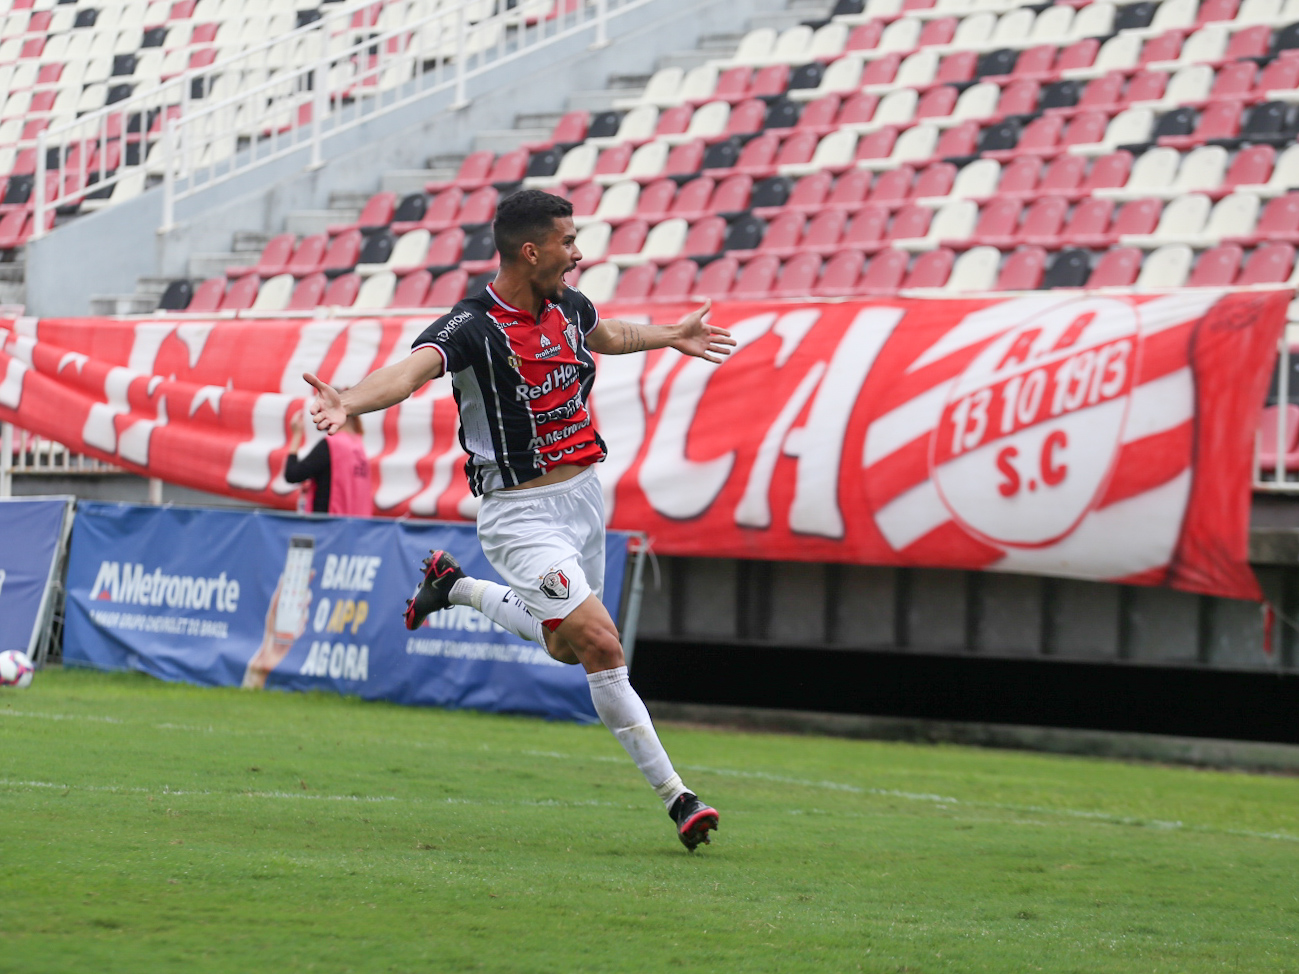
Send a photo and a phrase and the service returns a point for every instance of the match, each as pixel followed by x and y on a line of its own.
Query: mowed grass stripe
pixel 156 827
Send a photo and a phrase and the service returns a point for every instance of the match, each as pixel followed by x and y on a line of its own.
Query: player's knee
pixel 560 649
pixel 596 642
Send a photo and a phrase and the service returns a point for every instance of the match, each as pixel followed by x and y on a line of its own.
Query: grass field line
pixel 1109 818
pixel 46 716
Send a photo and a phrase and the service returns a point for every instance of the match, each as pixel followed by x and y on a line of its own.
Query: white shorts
pixel 547 543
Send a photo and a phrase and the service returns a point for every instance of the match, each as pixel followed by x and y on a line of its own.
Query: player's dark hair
pixel 526 216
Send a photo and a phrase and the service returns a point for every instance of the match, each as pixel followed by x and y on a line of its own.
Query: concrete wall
pixel 933 611
pixel 105 252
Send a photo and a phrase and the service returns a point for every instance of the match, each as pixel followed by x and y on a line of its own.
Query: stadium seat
pixel 274 294
pixel 411 290
pixel 1023 270
pixel 448 288
pixel 342 291
pixel 308 293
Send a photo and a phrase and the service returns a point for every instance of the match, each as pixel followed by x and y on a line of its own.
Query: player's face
pixel 556 256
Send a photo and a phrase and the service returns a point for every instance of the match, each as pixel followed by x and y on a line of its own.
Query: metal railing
pixel 1276 464
pixel 22 452
pixel 293 93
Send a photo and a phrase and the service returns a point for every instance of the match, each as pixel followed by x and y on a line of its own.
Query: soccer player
pixel 520 355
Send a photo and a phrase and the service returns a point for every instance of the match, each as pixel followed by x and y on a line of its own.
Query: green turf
pixel 149 827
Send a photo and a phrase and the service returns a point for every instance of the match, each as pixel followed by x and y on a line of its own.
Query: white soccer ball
pixel 15 669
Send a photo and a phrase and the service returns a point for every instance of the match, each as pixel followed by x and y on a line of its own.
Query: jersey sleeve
pixel 587 316
pixel 450 335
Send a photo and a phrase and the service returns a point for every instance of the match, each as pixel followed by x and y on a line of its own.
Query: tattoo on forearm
pixel 632 339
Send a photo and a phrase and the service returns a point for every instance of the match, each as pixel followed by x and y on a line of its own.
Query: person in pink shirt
pixel 336 471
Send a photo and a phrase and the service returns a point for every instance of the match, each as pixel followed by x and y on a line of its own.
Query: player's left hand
pixel 327 410
pixel 698 338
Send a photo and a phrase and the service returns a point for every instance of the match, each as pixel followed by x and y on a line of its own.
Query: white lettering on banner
pixel 127 582
pixel 399 479
pixel 363 339
pixel 100 430
pixel 488 652
pixel 355 573
pixel 989 322
pixel 338 661
pixel 620 417
pixel 444 467
pixel 171 625
pixel 149 336
pixel 11 387
pixel 791 329
pixel 819 444
pixel 133 444
pixel 462 618
pixel 210 395
pixel 76 359
pixel 1034 423
pixel 754 509
pixel 314 341
pixel 195 335
pixel 675 486
pixel 250 465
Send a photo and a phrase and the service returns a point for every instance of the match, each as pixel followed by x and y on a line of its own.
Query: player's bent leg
pixel 594 638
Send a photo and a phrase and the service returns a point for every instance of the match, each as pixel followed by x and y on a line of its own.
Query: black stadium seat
pixel 377 247
pixel 177 296
pixel 806 76
pixel 744 233
pixel 1069 269
pixel 603 125
pixel 772 192
pixel 479 245
pixel 782 114
pixel 1062 94
pixel 1135 15
pixel 411 209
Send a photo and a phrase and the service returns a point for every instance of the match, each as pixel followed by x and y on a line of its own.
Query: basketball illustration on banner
pixel 1031 430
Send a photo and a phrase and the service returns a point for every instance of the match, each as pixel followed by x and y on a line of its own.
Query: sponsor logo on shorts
pixel 554 584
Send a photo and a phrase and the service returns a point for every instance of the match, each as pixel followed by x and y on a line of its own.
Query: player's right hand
pixel 327 410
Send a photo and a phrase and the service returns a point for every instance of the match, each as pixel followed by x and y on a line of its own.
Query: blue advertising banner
pixel 230 598
pixel 31 531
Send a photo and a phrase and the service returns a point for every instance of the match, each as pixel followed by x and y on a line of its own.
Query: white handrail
pixel 315 94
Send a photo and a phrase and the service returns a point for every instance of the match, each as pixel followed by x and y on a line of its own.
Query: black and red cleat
pixel 441 571
pixel 694 820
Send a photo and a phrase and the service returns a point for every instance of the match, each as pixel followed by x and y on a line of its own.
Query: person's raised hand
pixel 327 410
pixel 698 338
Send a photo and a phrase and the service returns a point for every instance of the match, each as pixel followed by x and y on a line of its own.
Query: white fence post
pixel 155 491
pixel 462 36
pixel 38 230
pixel 601 25
pixel 6 460
pixel 1282 402
pixel 319 106
pixel 169 128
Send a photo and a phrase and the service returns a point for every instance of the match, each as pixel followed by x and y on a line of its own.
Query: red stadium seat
pixel 242 294
pixel 783 237
pixel 1270 263
pixel 858 109
pixel 808 196
pixel 717 278
pixel 893 187
pixel 691 202
pixel 473 172
pixel 308 292
pixel 343 253
pixel 769 81
pixel 208 295
pixel 309 255
pixel 447 289
pixel 1251 167
pixel 866 231
pixel 1108 172
pixel 585 199
pixel 411 290
pixel 569 130
pixel 850 189
pixel 1216 267
pixel 1044 219
pixel 798 276
pixel 756 278
pixel 440 213
pixel 676 282
pixel 819 116
pixel 732 85
pixel 1279 221
pixel 998 223
pixel 935 180
pixel 685 160
pixel 705 237
pixel 273 261
pixel 376 213
pixel 824 232
pixel 1088 225
pixel 839 278
pixel 445 249
pixel 635 283
pixel 342 291
pixel 732 195
pixel 931 269
pixel 957 68
pixel 1023 270
pixel 655 200
pixel 1020 177
pixel 1116 268
pixel 628 238
pixel 885 272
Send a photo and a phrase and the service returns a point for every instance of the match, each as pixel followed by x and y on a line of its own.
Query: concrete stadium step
pixel 350 199
pixel 504 140
pixel 406 181
pixel 626 81
pixel 598 101
pixel 203 266
pixel 686 60
pixel 446 160
pixel 538 120
pixel 122 304
pixel 254 240
pixel 306 222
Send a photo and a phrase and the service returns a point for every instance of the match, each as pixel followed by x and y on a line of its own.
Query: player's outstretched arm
pixel 378 390
pixel 692 335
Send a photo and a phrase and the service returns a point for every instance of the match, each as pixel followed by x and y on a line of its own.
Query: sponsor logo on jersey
pixel 450 327
pixel 549 348
pixel 560 377
pixel 554 584
pixel 559 435
pixel 560 413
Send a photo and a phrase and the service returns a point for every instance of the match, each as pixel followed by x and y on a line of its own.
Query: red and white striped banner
pixel 1092 436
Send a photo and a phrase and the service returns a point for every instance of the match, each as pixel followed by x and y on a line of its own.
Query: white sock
pixel 623 712
pixel 501 605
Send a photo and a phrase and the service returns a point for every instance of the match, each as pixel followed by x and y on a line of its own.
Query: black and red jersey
pixel 520 384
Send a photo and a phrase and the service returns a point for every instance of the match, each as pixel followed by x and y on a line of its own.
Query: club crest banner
pixel 1088 435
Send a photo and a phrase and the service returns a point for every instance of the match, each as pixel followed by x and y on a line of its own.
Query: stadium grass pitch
pixel 150 827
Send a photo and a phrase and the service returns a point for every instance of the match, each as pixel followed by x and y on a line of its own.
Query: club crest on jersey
pixel 570 332
pixel 555 584
pixel 1032 428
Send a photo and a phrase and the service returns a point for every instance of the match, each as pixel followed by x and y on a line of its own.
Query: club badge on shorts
pixel 554 584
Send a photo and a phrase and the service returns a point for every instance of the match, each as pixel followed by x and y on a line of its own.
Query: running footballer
pixel 521 364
